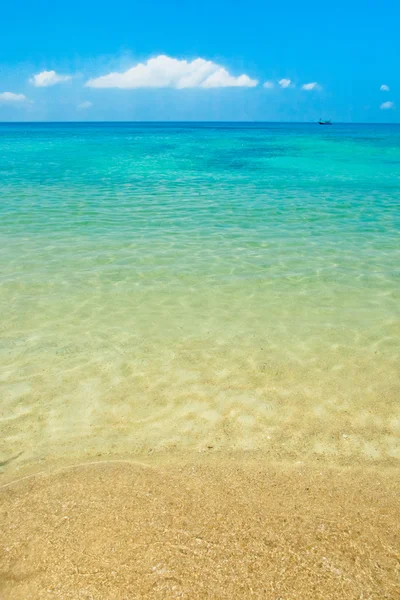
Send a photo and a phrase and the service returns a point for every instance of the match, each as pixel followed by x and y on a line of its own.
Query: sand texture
pixel 207 528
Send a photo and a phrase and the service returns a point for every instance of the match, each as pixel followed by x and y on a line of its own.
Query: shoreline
pixel 17 468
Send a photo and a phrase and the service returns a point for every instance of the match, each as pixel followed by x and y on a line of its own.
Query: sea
pixel 175 288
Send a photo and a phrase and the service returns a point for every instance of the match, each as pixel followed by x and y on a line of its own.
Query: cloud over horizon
pixel 387 105
pixel 269 85
pixel 311 86
pixel 84 105
pixel 11 97
pixel 164 71
pixel 48 78
pixel 285 83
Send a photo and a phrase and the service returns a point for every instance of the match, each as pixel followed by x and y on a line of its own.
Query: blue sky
pixel 343 53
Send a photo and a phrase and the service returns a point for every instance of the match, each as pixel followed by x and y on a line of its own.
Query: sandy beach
pixel 205 527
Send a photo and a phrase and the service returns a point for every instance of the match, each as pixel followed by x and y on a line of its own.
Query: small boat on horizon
pixel 325 122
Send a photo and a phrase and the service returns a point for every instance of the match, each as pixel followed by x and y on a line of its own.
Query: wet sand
pixel 210 526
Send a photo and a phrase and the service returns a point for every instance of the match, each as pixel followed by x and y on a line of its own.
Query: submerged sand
pixel 206 527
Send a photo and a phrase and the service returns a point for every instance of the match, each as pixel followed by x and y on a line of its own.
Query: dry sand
pixel 210 527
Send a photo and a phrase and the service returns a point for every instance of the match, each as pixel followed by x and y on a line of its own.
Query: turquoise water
pixel 199 287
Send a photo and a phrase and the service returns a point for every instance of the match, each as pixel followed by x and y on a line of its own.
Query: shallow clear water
pixel 199 287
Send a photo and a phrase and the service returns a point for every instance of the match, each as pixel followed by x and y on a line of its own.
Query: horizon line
pixel 198 121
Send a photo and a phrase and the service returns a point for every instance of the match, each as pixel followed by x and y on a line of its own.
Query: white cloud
pixel 269 85
pixel 387 105
pixel 285 83
pixel 85 104
pixel 11 97
pixel 47 78
pixel 164 71
pixel 222 78
pixel 311 86
pixel 384 88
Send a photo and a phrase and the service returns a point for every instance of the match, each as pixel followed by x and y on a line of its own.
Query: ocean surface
pixel 174 288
